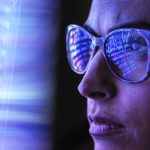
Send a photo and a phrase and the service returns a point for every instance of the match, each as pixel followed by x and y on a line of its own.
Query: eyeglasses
pixel 126 51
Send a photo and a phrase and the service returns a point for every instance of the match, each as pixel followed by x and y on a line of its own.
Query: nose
pixel 98 81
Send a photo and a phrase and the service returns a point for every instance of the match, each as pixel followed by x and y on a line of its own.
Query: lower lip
pixel 102 130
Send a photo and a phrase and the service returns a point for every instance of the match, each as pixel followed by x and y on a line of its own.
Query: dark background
pixel 70 125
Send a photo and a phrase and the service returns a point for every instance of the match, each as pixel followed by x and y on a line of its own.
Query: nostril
pixel 95 95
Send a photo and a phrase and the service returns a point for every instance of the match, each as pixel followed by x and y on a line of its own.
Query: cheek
pixel 137 112
pixel 143 110
pixel 133 106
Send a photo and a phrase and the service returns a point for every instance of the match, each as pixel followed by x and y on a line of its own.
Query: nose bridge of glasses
pixel 98 41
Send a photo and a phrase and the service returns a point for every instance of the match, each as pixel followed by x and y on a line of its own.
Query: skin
pixel 108 96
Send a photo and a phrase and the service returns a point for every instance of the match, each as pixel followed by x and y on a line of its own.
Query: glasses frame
pixel 99 41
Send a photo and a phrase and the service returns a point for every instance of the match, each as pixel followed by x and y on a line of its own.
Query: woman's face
pixel 118 112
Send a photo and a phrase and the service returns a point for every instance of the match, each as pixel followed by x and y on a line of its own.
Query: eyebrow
pixel 88 28
pixel 136 24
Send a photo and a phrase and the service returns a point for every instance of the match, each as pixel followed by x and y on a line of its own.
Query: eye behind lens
pixel 127 55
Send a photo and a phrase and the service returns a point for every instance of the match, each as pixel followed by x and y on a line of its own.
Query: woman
pixel 112 50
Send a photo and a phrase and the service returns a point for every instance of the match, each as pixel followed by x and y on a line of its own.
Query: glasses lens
pixel 79 48
pixel 127 55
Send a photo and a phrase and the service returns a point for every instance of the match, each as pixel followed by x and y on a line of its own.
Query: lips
pixel 100 126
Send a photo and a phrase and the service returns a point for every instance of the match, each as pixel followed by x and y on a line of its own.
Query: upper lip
pixel 96 119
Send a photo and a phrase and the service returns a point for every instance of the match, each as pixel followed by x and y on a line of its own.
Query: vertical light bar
pixel 8 39
pixel 28 56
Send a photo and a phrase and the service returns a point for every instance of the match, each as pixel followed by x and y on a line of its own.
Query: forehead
pixel 108 14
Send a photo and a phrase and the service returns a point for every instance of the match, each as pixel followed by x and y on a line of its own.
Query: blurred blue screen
pixel 28 56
